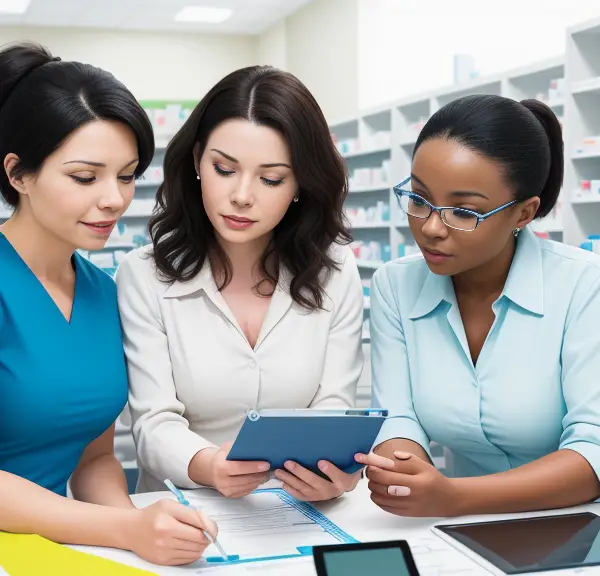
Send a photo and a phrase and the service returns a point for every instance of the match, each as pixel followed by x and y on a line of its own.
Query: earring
pixel 197 176
pixel 296 199
pixel 516 232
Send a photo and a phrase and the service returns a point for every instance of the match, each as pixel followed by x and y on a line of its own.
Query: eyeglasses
pixel 453 217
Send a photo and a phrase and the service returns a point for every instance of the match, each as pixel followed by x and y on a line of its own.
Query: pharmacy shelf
pixel 370 225
pixel 581 133
pixel 367 189
pixel 368 152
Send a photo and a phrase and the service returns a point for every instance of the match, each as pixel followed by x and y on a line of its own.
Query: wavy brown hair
pixel 182 234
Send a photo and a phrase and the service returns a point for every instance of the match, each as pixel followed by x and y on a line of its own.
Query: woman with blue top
pixel 488 343
pixel 72 141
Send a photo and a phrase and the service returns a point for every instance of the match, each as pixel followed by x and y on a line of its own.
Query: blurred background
pixel 378 68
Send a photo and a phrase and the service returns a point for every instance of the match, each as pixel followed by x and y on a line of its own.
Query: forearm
pixel 200 469
pixel 559 480
pixel 26 508
pixel 388 448
pixel 102 481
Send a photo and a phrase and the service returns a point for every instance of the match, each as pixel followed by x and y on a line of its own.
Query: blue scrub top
pixel 62 384
pixel 536 386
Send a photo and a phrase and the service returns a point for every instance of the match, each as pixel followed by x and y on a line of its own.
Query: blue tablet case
pixel 306 437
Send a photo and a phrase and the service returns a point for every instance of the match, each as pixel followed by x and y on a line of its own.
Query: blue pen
pixel 183 500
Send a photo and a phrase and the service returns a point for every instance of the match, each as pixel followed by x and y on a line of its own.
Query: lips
pixel 240 219
pixel 436 252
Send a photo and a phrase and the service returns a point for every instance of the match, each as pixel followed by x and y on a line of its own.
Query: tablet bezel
pixel 319 553
pixel 486 564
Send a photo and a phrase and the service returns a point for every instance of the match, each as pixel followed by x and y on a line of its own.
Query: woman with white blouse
pixel 249 296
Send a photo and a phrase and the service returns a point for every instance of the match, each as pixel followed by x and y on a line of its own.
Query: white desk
pixel 354 513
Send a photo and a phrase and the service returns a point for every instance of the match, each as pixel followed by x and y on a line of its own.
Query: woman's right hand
pixel 236 479
pixel 169 533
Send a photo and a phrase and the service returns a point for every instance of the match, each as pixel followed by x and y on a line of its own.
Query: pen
pixel 183 500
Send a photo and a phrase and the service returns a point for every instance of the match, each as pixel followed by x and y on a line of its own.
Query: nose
pixel 112 197
pixel 434 227
pixel 242 193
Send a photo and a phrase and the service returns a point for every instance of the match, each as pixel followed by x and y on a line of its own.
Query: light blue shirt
pixel 536 385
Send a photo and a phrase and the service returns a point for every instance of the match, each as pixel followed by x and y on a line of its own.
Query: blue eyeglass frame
pixel 399 192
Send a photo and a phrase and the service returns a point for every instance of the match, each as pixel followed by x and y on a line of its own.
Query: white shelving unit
pixel 582 132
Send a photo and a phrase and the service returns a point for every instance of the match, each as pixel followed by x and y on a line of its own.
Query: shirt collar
pixel 524 285
pixel 204 280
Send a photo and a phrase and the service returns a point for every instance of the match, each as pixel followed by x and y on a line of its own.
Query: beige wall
pixel 152 65
pixel 322 50
pixel 272 49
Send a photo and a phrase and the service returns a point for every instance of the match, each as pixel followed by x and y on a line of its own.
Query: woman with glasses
pixel 488 343
pixel 249 297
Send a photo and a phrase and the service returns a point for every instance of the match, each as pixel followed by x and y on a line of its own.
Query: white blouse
pixel 193 375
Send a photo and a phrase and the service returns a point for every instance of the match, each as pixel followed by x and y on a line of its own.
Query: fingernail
pixel 263 467
pixel 289 465
pixel 402 455
pixel 399 490
pixel 359 458
pixel 323 466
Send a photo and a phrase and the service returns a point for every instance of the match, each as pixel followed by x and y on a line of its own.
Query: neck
pixel 487 280
pixel 48 257
pixel 245 257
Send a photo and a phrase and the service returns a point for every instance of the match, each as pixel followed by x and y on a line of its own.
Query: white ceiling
pixel 249 16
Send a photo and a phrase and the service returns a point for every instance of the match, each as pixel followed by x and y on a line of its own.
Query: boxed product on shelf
pixel 368 215
pixel 366 177
pixel 366 285
pixel 347 146
pixel 556 90
pixel 371 251
pixel 587 189
pixel 592 243
pixel 588 145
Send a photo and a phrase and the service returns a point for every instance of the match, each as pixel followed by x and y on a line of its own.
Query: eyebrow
pixel 96 164
pixel 232 159
pixel 456 193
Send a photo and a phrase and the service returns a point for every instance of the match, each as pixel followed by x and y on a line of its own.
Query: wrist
pixel 201 467
pixel 123 528
pixel 459 501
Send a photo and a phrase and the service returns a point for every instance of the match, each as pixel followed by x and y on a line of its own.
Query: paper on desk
pixel 258 526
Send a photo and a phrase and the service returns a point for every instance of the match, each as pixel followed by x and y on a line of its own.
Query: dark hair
pixel 182 234
pixel 525 138
pixel 43 100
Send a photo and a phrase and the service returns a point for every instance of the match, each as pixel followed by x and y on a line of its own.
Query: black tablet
pixel 534 544
pixel 382 558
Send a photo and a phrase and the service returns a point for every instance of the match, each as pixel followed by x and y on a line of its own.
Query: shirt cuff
pixel 404 428
pixel 590 451
pixel 170 450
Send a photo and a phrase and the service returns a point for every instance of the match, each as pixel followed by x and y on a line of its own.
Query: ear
pixel 11 161
pixel 528 210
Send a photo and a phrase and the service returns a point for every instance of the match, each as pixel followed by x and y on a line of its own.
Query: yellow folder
pixel 31 555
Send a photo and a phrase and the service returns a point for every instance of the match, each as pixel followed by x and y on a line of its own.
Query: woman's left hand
pixel 304 485
pixel 409 486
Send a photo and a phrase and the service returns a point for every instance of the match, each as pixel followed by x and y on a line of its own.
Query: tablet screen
pixel 388 561
pixel 533 544
pixel 382 558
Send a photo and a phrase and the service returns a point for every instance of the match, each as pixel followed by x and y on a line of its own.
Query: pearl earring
pixel 197 176
pixel 516 232
pixel 296 199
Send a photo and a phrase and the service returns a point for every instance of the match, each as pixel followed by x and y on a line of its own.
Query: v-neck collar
pixel 281 300
pixel 51 301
